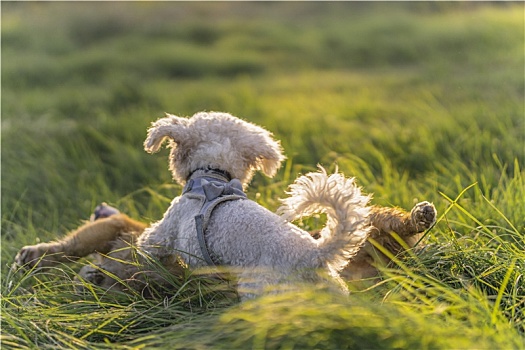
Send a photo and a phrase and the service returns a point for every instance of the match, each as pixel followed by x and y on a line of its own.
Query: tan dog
pixel 111 233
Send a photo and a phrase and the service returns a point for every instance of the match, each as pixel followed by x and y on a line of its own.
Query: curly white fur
pixel 346 208
pixel 267 249
pixel 232 144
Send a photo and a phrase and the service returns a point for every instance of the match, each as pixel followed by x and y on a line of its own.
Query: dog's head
pixel 215 140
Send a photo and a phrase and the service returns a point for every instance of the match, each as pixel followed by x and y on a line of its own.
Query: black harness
pixel 215 186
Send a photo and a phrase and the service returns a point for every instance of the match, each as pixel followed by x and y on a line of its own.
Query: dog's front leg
pixel 92 237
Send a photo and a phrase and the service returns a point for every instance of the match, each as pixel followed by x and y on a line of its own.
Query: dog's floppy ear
pixel 268 156
pixel 170 126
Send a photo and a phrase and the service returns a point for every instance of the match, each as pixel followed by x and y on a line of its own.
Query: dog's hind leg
pixel 97 236
pixel 386 220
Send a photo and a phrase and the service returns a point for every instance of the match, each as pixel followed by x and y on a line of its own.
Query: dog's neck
pixel 210 172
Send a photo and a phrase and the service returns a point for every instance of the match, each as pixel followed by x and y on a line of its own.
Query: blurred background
pixel 413 98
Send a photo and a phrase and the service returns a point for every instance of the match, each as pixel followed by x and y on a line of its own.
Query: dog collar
pixel 212 171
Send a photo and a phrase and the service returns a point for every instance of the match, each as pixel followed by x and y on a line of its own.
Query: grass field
pixel 419 101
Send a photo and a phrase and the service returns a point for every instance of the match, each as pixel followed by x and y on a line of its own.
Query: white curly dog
pixel 214 155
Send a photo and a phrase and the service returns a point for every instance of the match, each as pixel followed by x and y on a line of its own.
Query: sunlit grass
pixel 418 101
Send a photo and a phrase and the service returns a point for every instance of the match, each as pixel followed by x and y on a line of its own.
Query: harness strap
pixel 201 224
pixel 202 241
pixel 215 191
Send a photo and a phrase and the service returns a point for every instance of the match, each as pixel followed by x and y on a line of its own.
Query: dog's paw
pixel 31 256
pixel 423 215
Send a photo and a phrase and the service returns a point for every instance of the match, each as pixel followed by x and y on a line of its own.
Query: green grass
pixel 419 101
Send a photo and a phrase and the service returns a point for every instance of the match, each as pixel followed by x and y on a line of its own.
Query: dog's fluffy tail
pixel 346 208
